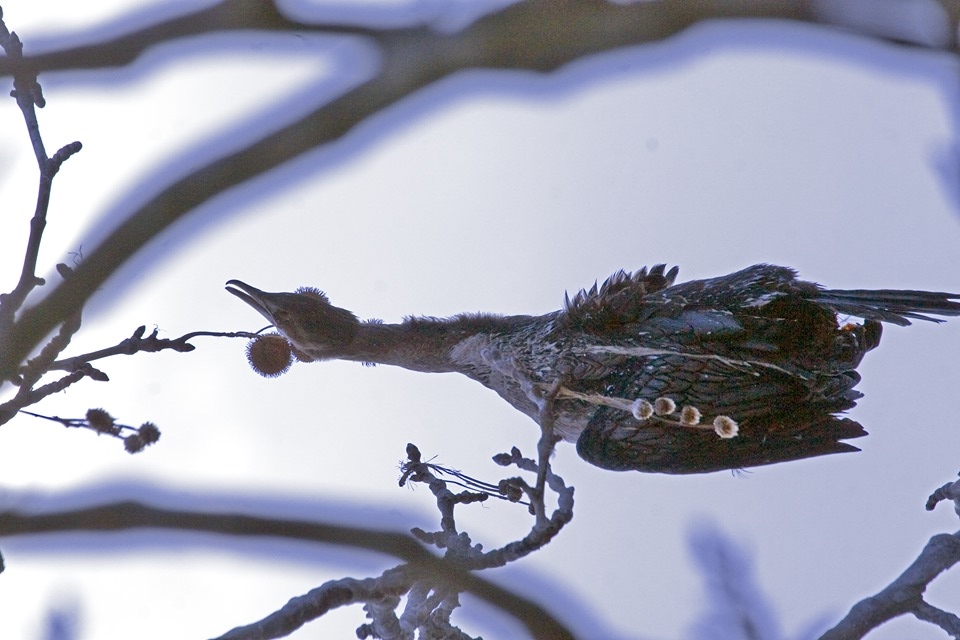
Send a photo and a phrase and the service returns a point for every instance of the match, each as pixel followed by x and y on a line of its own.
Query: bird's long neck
pixel 422 344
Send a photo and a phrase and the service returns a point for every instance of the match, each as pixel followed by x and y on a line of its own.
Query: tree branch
pixel 423 565
pixel 905 594
pixel 319 601
pixel 28 94
pixel 429 603
pixel 136 343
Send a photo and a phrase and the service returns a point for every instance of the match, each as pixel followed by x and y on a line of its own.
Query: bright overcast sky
pixel 729 145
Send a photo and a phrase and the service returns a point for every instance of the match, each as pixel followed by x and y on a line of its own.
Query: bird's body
pixel 643 373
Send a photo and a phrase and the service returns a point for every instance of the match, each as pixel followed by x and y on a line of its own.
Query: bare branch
pixel 544 532
pixel 949 491
pixel 27 396
pixel 135 439
pixel 36 367
pixel 547 25
pixel 423 565
pixel 319 601
pixel 136 343
pixel 26 89
pixel 429 601
pixel 943 619
pixel 229 15
pixel 903 595
pixel 459 543
pixel 28 94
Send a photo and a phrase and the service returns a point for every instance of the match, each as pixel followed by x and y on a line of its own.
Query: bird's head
pixel 315 328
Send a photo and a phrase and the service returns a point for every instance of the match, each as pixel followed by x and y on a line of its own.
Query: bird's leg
pixel 548 440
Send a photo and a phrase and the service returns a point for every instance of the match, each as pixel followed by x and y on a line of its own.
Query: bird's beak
pixel 262 301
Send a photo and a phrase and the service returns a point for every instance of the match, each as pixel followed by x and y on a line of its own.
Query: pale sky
pixel 729 145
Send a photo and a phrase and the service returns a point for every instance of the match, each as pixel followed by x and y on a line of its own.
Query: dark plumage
pixel 746 369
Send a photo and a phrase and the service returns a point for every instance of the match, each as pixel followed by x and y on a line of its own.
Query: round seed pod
pixel 726 427
pixel 149 433
pixel 100 420
pixel 664 406
pixel 690 416
pixel 641 409
pixel 269 354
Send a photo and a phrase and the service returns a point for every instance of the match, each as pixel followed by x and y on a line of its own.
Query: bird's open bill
pixel 259 300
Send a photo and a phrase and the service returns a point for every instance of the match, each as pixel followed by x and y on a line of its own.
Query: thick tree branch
pixel 319 601
pixel 229 15
pixel 905 594
pixel 134 515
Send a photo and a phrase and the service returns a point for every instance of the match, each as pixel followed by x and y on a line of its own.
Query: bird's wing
pixel 782 415
pixel 615 441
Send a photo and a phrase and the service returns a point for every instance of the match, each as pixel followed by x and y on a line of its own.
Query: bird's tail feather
pixel 891 305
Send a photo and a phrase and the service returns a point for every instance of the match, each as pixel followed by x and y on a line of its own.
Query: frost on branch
pixel 420 598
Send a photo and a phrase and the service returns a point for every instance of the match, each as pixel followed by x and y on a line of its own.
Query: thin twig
pixel 949 491
pixel 541 534
pixel 26 89
pixel 135 439
pixel 136 343
pixel 29 96
pixel 448 537
pixel 465 481
pixel 27 396
pixel 474 558
pixel 48 170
